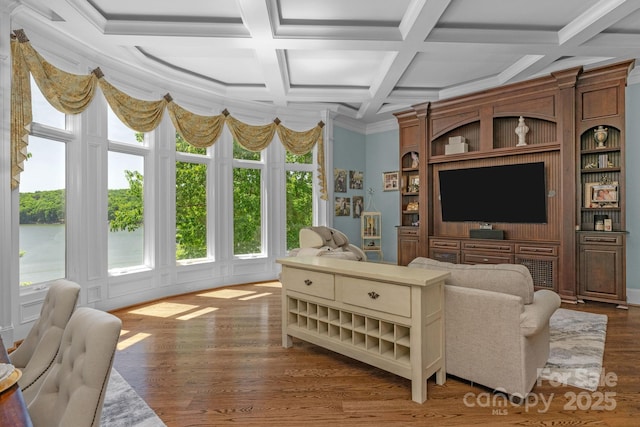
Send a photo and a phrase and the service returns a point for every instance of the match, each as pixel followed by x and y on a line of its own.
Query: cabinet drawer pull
pixel 308 282
pixel 373 295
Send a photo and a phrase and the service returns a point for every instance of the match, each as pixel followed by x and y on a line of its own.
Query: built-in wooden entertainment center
pixel 576 127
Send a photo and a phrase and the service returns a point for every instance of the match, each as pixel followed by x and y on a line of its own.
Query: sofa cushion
pixel 513 279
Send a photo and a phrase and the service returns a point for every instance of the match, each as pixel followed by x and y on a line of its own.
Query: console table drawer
pixel 476 258
pixel 309 282
pixel 384 297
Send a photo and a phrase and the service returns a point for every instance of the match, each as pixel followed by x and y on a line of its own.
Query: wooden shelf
pixel 497 152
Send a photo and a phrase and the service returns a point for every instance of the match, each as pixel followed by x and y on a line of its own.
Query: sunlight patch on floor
pixel 164 309
pixel 255 296
pixel 226 293
pixel 132 340
pixel 270 285
pixel 197 313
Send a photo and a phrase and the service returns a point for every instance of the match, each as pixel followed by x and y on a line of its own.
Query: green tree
pixel 127 213
pixel 42 207
pixel 299 199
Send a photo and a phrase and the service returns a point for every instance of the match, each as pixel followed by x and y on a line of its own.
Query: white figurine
pixel 415 160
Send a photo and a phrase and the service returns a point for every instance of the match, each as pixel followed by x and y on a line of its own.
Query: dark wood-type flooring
pixel 214 358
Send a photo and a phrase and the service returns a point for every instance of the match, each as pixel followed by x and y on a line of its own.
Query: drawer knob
pixel 373 295
pixel 308 282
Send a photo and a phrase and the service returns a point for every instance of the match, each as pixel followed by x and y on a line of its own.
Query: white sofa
pixel 326 241
pixel 496 326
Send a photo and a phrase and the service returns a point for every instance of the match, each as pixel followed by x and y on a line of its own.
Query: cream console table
pixel 387 316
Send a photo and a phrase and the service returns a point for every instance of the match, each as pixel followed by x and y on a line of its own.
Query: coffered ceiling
pixel 360 58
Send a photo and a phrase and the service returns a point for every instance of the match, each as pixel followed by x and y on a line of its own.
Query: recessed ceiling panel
pixel 455 66
pixel 334 68
pixel 228 66
pixel 171 9
pixel 539 14
pixel 343 10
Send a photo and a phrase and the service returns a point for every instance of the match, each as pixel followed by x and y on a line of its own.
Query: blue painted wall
pixel 382 156
pixel 633 192
pixel 349 154
pixel 373 155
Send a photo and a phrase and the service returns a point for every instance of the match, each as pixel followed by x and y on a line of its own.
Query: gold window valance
pixel 72 93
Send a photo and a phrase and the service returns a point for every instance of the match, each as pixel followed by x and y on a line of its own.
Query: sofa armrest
pixel 536 315
pixel 361 255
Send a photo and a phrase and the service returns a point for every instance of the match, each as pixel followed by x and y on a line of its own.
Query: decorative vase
pixel 600 136
pixel 521 131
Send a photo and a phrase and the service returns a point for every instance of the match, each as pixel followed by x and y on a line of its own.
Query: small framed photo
pixel 356 180
pixel 358 206
pixel 414 184
pixel 390 181
pixel 340 180
pixel 342 206
pixel 604 195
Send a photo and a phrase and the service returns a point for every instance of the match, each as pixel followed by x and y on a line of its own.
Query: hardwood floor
pixel 214 358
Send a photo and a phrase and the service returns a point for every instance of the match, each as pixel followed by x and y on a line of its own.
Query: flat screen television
pixel 507 193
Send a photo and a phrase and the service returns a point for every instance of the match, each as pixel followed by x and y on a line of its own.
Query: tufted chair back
pixel 35 355
pixel 73 392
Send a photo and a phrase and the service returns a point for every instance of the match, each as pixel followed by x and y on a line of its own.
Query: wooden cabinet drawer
pixel 408 231
pixel 309 282
pixel 536 250
pixel 384 297
pixel 444 244
pixel 488 246
pixel 601 239
pixel 484 258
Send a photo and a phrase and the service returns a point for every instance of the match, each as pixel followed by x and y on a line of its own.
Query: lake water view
pixel 43 248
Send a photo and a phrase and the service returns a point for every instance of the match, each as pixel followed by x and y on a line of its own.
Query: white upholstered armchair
pixel 326 241
pixel 72 393
pixel 35 355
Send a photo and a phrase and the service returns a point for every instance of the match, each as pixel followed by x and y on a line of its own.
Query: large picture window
pixel 191 201
pixel 299 192
pixel 43 212
pixel 247 201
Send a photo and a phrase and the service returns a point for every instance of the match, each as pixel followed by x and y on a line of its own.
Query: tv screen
pixel 508 193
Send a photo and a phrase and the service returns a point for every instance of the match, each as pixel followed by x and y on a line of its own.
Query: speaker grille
pixel 451 257
pixel 541 272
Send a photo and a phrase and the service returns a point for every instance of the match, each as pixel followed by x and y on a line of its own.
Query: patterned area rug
pixel 123 407
pixel 576 349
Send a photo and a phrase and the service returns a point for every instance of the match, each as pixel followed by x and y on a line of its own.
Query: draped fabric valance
pixel 72 93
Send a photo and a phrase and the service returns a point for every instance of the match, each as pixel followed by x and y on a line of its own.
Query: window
pixel 125 192
pixel 43 112
pixel 299 192
pixel 126 210
pixel 247 201
pixel 191 201
pixel 43 212
pixel 118 131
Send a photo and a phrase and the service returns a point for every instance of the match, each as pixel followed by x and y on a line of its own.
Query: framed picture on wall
pixel 358 206
pixel 390 181
pixel 340 180
pixel 356 180
pixel 342 206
